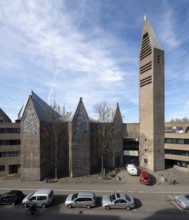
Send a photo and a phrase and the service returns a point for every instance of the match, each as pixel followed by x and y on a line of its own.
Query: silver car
pixel 41 197
pixel 118 200
pixel 183 201
pixel 81 200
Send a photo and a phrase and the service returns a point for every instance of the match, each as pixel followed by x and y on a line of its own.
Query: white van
pixel 42 197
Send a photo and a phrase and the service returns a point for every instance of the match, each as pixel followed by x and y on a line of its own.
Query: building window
pixel 159 59
pixel 180 141
pixel 2 168
pixel 10 154
pixel 145 161
pixel 177 152
pixel 168 140
pixel 30 124
pixel 176 141
pixel 9 142
pixel 9 130
pixel 80 123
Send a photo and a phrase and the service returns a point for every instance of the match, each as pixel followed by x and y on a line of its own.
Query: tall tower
pixel 151 100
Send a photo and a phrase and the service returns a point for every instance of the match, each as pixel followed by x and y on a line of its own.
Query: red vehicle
pixel 145 177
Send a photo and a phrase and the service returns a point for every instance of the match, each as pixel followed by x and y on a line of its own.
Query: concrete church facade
pixel 69 144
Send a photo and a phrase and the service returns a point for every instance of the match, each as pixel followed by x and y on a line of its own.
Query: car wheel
pixel 88 206
pixel 13 204
pixel 69 206
pixel 43 206
pixel 107 207
pixel 25 205
pixel 128 208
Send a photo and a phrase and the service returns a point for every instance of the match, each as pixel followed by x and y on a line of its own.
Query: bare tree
pixel 55 136
pixel 106 127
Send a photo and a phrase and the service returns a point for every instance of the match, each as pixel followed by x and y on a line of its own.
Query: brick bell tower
pixel 151 100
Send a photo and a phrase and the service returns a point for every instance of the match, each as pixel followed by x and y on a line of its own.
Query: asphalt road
pixel 152 202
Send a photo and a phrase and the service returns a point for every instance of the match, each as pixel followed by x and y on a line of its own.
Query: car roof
pixel 85 194
pixel 144 173
pixel 120 195
pixel 43 191
pixel 14 192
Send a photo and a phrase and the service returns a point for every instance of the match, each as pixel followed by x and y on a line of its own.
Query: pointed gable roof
pixel 79 108
pixel 80 120
pixel 117 116
pixel 154 41
pixel 4 117
pixel 43 110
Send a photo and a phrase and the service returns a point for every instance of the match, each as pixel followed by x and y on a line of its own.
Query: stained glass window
pixel 80 123
pixel 30 123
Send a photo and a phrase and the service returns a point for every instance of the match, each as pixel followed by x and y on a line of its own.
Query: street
pixel 152 202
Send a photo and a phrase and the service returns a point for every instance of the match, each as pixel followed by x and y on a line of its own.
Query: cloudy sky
pixel 67 49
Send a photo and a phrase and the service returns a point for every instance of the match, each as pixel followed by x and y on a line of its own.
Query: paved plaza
pixel 111 179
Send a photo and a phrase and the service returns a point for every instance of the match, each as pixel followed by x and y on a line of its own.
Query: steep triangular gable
pixel 117 116
pixel 30 121
pixel 149 41
pixel 149 32
pixel 4 117
pixel 80 119
pixel 43 110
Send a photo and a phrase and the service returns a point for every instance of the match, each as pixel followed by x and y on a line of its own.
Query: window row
pixel 9 142
pixel 10 154
pixel 176 141
pixel 177 152
pixel 9 130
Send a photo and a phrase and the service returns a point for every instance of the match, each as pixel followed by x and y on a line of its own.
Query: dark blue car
pixel 12 197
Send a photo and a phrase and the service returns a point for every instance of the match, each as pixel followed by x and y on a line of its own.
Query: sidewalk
pixel 122 177
pixel 121 181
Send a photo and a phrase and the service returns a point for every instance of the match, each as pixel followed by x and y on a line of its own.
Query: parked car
pixel 118 200
pixel 41 197
pixel 12 197
pixel 132 169
pixel 81 199
pixel 145 177
pixel 183 200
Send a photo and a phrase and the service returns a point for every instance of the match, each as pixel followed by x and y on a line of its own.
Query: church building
pixel 44 142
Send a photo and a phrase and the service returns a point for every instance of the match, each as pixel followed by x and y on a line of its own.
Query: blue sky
pixel 67 49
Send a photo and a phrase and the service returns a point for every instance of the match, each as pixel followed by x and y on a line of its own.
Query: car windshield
pixel 31 195
pixel 74 196
pixel 146 178
pixel 112 197
pixel 128 198
pixel 187 196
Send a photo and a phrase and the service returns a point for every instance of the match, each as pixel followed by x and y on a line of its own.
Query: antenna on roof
pixel 145 17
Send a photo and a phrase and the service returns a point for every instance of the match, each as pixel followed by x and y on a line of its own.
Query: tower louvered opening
pixel 146 67
pixel 146 49
pixel 145 81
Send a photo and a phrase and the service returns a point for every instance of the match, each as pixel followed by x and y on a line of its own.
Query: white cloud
pixel 75 63
pixel 65 52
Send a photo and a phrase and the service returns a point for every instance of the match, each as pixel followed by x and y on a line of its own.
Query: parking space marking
pixel 177 206
pixel 172 200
